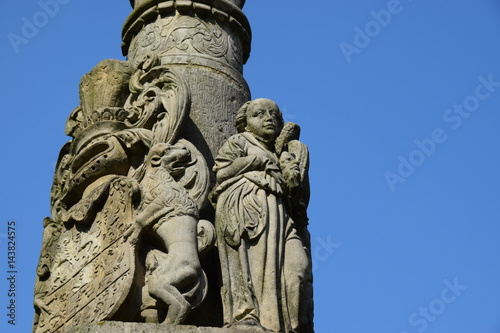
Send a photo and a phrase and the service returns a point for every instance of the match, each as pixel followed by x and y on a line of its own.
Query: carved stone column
pixel 207 42
pixel 131 237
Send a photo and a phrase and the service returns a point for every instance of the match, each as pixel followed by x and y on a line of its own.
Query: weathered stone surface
pixel 131 237
pixel 127 191
pixel 264 264
pixel 207 42
pixel 122 327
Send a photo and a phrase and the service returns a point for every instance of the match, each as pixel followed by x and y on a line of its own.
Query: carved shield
pixel 92 267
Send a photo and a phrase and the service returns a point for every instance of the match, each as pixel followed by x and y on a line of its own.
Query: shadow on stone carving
pixel 132 230
pixel 263 259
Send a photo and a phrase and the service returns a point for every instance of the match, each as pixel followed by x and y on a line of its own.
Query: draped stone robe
pixel 261 255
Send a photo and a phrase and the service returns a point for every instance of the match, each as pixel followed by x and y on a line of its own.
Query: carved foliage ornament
pixel 188 35
pixel 126 177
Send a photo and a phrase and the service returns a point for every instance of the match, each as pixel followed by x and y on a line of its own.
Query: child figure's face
pixel 263 119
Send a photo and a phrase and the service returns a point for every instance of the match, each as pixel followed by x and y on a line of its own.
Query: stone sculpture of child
pixel 263 261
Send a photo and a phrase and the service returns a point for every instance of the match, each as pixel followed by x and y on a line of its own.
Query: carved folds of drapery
pixel 261 199
pixel 131 233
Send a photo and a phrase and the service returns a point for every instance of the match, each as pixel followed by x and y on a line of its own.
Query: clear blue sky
pixel 399 102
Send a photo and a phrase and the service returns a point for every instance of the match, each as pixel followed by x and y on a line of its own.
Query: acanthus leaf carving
pixel 179 34
pixel 102 187
pixel 159 100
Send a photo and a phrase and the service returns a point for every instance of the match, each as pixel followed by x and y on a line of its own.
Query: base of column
pixel 122 327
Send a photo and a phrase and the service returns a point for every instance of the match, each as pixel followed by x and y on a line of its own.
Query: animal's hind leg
pixel 178 310
pixel 181 270
pixel 178 307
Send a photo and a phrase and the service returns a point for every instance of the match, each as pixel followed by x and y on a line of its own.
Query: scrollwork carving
pixel 126 169
pixel 179 34
pixel 131 234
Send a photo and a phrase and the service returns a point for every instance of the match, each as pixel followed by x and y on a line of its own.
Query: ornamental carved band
pixel 177 200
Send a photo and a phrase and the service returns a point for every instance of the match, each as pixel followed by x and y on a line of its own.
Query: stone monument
pixel 178 204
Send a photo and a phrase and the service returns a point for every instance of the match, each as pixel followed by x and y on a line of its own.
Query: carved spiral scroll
pixel 160 100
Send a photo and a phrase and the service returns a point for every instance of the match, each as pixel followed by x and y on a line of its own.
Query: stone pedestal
pixel 121 327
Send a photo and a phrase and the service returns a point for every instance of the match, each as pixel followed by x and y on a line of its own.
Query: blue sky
pixel 399 103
